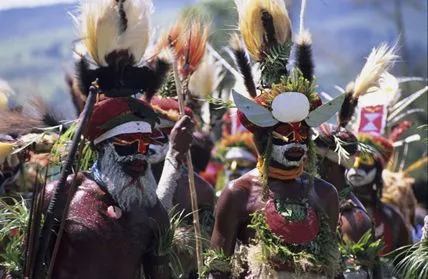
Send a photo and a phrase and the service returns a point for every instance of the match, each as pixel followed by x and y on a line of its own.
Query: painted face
pixel 290 144
pixel 238 161
pixel 134 151
pixel 364 171
pixel 128 179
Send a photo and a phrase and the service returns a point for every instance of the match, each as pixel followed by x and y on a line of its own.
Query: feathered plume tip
pixel 207 77
pixel 304 55
pixel 263 24
pixel 188 39
pixel 243 62
pixel 109 26
pixel 378 62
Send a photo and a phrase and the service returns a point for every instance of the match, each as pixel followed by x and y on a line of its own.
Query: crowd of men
pixel 156 178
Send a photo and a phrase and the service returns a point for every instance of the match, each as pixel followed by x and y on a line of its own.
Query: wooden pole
pixel 190 173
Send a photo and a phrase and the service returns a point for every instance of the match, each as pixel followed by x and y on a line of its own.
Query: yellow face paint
pixel 234 166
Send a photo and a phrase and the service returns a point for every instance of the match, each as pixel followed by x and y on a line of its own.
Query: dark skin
pixel 243 197
pixel 353 219
pixel 391 218
pixel 95 245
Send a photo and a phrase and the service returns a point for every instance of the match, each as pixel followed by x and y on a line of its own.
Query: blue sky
pixel 9 4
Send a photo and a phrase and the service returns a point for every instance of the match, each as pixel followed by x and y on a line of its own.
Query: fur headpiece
pixel 283 98
pixel 115 35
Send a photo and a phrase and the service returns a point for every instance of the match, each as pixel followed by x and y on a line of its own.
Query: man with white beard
pixel 115 219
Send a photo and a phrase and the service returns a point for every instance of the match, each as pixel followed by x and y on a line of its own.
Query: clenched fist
pixel 181 137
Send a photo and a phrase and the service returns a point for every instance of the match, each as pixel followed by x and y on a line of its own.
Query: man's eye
pixel 126 149
pixel 276 141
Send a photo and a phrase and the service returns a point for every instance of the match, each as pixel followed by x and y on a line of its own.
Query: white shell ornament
pixel 254 112
pixel 290 107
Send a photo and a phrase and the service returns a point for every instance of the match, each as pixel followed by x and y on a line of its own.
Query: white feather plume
pixel 99 26
pixel 379 61
pixel 207 77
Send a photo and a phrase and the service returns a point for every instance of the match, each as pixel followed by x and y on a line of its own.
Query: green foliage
pixel 274 64
pixel 320 255
pixel 60 149
pixel 216 261
pixel 168 88
pixel 291 211
pixel 13 227
pixel 362 253
pixel 412 260
pixel 220 103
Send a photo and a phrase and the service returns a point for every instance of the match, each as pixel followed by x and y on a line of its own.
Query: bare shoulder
pixel 324 189
pixel 50 188
pixel 236 193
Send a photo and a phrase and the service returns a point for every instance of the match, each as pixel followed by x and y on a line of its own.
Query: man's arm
pixel 180 140
pixel 228 216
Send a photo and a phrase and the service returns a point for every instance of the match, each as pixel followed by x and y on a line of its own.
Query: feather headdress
pixel 109 26
pixel 263 24
pixel 378 62
pixel 115 35
pixel 206 78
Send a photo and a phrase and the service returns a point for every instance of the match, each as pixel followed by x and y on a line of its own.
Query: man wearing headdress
pixel 285 218
pixel 366 178
pixel 115 222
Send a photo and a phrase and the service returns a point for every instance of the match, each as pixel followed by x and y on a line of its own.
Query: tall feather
pixel 110 25
pixel 304 55
pixel 207 77
pixel 262 23
pixel 378 62
pixel 243 62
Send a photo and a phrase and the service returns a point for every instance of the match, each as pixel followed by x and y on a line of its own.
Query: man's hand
pixel 181 137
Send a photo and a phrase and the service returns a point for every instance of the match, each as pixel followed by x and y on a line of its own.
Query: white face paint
pixel 157 153
pixel 359 177
pixel 278 154
pixel 129 192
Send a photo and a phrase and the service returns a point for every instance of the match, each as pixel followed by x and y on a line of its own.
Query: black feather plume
pixel 84 76
pixel 347 110
pixel 123 20
pixel 244 66
pixel 159 74
pixel 269 27
pixel 304 60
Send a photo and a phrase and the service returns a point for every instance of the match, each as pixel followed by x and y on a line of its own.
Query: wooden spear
pixel 190 173
pixel 58 201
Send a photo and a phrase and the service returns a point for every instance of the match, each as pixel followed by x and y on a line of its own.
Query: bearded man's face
pixel 124 166
pixel 290 150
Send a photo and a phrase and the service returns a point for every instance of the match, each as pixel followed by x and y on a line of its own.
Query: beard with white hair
pixel 127 191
